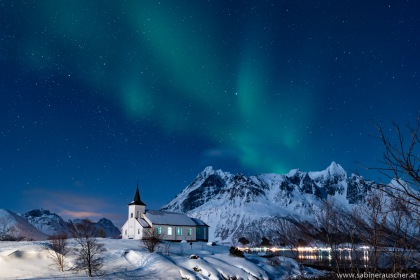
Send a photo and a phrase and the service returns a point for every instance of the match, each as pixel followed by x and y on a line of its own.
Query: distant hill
pixel 105 228
pixel 47 222
pixel 39 224
pixel 14 226
pixel 51 223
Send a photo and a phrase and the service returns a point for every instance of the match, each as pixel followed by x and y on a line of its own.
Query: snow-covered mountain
pixel 51 223
pixel 39 224
pixel 104 227
pixel 235 205
pixel 47 222
pixel 14 226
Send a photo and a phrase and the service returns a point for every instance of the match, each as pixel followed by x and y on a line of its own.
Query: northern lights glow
pixel 95 94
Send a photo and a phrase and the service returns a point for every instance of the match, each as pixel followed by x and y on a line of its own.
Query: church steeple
pixel 137 200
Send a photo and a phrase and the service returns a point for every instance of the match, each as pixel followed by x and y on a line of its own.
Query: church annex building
pixel 170 225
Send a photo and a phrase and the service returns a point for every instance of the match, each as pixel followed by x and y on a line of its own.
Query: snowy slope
pixel 14 225
pixel 237 205
pixel 47 222
pixel 127 259
pixel 39 224
pixel 50 223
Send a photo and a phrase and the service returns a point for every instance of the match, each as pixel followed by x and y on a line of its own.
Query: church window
pixel 179 231
pixel 169 230
pixel 137 214
pixel 159 230
pixel 125 232
pixel 131 215
pixel 189 232
pixel 198 231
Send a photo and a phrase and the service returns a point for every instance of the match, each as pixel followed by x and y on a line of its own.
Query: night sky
pixel 96 95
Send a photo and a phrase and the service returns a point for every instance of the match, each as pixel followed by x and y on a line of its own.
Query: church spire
pixel 137 200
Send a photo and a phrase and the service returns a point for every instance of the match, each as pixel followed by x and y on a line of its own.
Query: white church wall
pixel 176 233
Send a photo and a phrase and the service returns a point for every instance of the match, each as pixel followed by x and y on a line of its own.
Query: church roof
pixel 199 222
pixel 137 200
pixel 143 223
pixel 169 218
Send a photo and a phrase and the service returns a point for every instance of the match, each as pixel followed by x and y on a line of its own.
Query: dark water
pixel 361 257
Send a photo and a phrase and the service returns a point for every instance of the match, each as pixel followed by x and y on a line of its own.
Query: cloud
pixel 70 205
pixel 220 153
pixel 75 214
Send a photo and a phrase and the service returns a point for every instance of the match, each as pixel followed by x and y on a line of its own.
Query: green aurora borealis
pixel 163 64
pixel 247 86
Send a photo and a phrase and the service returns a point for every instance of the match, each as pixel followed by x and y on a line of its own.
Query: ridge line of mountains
pixel 235 205
pixel 39 224
pixel 256 207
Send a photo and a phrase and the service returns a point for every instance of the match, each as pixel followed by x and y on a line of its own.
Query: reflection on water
pixel 314 253
pixel 323 255
pixel 343 256
pixel 308 255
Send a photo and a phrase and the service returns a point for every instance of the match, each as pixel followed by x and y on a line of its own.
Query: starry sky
pixel 97 95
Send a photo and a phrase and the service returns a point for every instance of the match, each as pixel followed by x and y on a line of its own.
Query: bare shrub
pixel 151 239
pixel 58 249
pixel 89 252
pixel 401 161
pixel 167 249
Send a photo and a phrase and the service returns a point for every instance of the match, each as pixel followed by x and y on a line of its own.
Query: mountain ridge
pixel 40 224
pixel 13 226
pixel 235 205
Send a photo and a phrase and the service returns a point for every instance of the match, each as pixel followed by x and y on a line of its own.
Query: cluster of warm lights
pixel 275 249
pixel 261 249
pixel 310 252
pixel 313 249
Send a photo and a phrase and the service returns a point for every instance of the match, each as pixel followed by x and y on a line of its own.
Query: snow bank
pixel 127 259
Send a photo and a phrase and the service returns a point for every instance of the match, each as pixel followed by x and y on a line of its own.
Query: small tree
pixel 243 241
pixel 372 225
pixel 293 237
pixel 400 220
pixel 265 242
pixel 58 249
pixel 90 250
pixel 401 161
pixel 167 249
pixel 151 239
pixel 328 219
pixel 101 232
pixel 233 251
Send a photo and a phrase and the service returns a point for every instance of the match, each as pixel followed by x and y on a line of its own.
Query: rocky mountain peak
pixel 235 203
pixel 335 168
pixel 37 213
pixel 208 170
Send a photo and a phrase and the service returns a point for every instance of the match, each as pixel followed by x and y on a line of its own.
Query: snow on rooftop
pixel 198 222
pixel 169 218
pixel 143 223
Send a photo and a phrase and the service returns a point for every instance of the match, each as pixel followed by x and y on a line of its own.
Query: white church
pixel 171 226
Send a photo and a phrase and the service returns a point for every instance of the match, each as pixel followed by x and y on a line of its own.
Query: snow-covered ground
pixel 125 259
